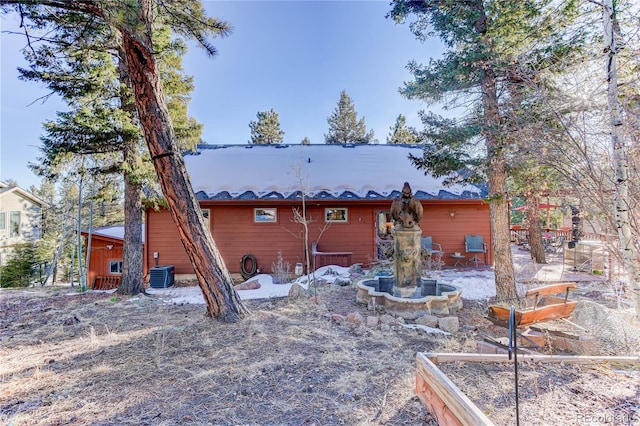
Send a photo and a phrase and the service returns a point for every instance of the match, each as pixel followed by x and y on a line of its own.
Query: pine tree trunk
pixel 497 173
pixel 500 236
pixel 622 206
pixel 132 266
pixel 132 280
pixel 497 180
pixel 535 232
pixel 214 279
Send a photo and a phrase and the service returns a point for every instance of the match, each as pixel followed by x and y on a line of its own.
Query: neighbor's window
pixel 14 224
pixel 265 215
pixel 206 214
pixel 3 221
pixel 335 215
pixel 115 266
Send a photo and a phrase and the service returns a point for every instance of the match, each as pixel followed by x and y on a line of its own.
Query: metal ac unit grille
pixel 161 276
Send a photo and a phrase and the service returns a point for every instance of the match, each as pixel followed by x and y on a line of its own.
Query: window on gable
pixel 14 224
pixel 115 266
pixel 3 221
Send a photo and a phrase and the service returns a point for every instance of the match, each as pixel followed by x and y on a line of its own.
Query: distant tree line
pixel 344 127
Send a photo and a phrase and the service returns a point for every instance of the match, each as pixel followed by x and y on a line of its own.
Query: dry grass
pixel 135 361
pixel 129 361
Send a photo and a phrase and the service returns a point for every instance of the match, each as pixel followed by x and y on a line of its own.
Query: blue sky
pixel 293 56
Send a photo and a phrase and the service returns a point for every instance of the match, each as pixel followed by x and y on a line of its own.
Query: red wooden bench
pixel 322 258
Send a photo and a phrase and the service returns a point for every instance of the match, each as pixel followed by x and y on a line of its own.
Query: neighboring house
pixel 105 260
pixel 248 193
pixel 20 218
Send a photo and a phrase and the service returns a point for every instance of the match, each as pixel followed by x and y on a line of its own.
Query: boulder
pixel 355 318
pixel 297 291
pixel 428 320
pixel 449 324
pixel 372 321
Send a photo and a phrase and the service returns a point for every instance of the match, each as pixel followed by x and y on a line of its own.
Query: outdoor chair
pixel 429 247
pixel 431 254
pixel 474 244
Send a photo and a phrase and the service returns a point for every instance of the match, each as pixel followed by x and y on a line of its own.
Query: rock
pixel 449 324
pixel 356 268
pixel 338 318
pixel 342 281
pixel 428 320
pixel 297 291
pixel 439 306
pixel 321 282
pixel 355 318
pixel 249 285
pixel 387 319
pixel 372 321
pixel 385 327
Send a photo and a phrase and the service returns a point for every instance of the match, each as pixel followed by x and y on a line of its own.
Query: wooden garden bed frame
pixel 450 406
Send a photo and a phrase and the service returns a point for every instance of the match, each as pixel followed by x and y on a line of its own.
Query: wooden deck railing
pixel 521 236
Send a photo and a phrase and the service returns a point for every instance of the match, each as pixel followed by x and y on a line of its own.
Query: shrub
pixel 281 270
pixel 21 268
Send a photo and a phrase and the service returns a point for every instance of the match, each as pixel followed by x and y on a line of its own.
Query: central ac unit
pixel 161 276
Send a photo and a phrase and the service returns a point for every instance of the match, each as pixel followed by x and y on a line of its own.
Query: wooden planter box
pixel 450 406
pixel 537 306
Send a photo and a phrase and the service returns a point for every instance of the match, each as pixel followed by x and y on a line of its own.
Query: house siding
pixel 236 234
pixel 30 222
pixel 101 255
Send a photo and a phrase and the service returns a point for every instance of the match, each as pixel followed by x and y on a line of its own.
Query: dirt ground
pixel 98 359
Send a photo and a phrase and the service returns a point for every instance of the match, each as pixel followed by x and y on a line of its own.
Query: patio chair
pixel 429 247
pixel 474 244
pixel 431 254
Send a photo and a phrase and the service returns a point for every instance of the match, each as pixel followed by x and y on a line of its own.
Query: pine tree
pixel 492 46
pixel 344 126
pixel 133 21
pixel 102 121
pixel 401 133
pixel 266 130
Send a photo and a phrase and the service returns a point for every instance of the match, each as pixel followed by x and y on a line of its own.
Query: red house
pixel 250 195
pixel 105 259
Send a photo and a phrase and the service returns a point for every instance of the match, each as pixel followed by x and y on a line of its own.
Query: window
pixel 14 224
pixel 3 221
pixel 206 214
pixel 265 215
pixel 335 215
pixel 115 266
